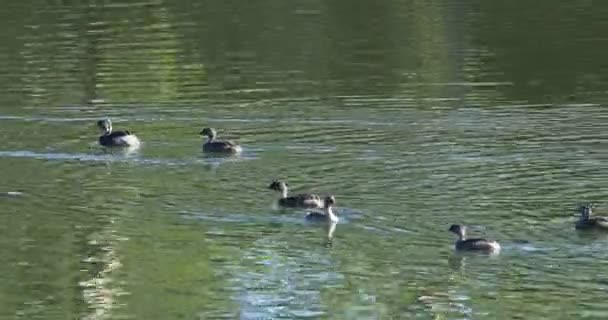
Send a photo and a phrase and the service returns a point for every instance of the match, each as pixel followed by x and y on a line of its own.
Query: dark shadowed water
pixel 414 114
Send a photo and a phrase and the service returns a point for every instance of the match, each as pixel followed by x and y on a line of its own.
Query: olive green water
pixel 415 114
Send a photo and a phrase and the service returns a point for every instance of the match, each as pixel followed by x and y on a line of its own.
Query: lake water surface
pixel 414 114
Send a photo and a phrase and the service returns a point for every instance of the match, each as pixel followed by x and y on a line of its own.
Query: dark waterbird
pixel 587 222
pixel 327 215
pixel 302 200
pixel 111 138
pixel 476 244
pixel 212 145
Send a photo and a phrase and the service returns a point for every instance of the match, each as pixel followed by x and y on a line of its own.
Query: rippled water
pixel 415 115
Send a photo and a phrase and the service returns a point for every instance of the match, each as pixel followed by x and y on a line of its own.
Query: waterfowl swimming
pixel 116 138
pixel 218 146
pixel 478 244
pixel 303 200
pixel 586 222
pixel 327 215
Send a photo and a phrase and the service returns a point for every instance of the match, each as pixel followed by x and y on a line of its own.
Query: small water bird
pixel 111 138
pixel 477 244
pixel 302 200
pixel 328 214
pixel 586 222
pixel 218 146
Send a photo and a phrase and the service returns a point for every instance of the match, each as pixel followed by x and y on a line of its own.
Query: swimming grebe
pixel 328 213
pixel 463 244
pixel 116 138
pixel 218 146
pixel 303 200
pixel 586 222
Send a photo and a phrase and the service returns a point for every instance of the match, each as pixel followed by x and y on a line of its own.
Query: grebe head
pixel 278 185
pixel 105 126
pixel 330 201
pixel 209 132
pixel 585 211
pixel 458 230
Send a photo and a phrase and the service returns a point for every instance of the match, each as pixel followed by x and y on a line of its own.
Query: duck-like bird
pixel 586 222
pixel 302 200
pixel 111 138
pixel 476 244
pixel 328 214
pixel 213 145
